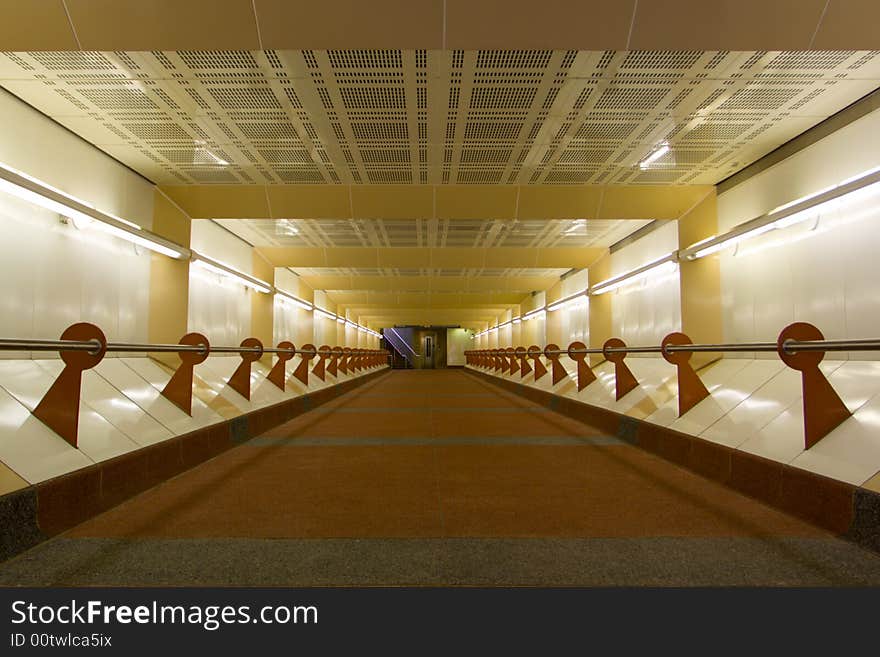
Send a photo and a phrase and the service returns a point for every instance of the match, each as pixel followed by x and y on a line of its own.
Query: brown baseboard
pixel 846 510
pixel 31 515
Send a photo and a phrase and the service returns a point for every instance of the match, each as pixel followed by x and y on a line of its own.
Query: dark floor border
pixel 846 510
pixel 31 515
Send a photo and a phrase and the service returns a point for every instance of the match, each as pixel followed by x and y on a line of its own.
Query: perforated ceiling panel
pixel 549 273
pixel 433 233
pixel 435 286
pixel 438 117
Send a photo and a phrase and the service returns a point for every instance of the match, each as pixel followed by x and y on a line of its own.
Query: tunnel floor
pixel 440 478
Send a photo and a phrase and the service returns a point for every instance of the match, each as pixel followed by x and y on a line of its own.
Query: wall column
pixel 169 280
pixel 600 307
pixel 700 280
pixel 263 306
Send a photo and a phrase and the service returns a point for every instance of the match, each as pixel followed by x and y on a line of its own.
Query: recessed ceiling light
pixel 575 226
pixel 662 150
pixel 286 227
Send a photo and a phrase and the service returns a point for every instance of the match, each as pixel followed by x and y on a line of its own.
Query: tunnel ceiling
pixel 429 232
pixel 549 117
pixel 351 120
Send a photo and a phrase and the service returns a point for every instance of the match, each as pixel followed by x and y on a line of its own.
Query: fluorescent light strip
pixel 859 176
pixel 800 200
pixel 218 267
pixel 577 225
pixel 341 320
pixel 850 184
pixel 728 240
pixel 633 275
pixel 305 305
pixel 653 157
pixel 517 320
pixel 562 303
pixel 783 216
pixel 533 313
pixel 44 195
pixel 325 313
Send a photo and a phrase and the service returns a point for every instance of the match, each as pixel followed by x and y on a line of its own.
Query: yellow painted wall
pixel 263 306
pixel 169 280
pixel 600 308
pixel 554 319
pixel 700 280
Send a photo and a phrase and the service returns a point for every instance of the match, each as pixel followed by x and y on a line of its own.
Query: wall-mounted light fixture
pixel 82 215
pixel 325 313
pixel 217 267
pixel 534 314
pixel 659 152
pixel 299 303
pixel 783 216
pixel 364 329
pixel 569 300
pixel 667 262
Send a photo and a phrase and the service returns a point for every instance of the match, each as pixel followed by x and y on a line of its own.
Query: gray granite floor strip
pixel 431 562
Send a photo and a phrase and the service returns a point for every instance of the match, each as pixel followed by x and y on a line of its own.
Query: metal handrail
pixel 59 409
pixel 126 347
pixel 396 342
pixel 744 346
pixel 824 410
pixel 94 347
pixel 868 344
pixel 635 350
pixel 91 346
pixel 573 351
pixel 789 347
pixel 403 342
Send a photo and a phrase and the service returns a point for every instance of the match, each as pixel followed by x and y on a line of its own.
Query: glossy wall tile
pixel 755 406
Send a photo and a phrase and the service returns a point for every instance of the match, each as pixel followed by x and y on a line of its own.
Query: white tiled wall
pixel 823 270
pixel 290 321
pixel 505 333
pixel 646 311
pixel 457 342
pixel 54 275
pixel 755 406
pixel 72 165
pixel 839 156
pixel 575 317
pixel 216 370
pixel 219 307
pixel 120 410
pixel 534 330
pixel 126 376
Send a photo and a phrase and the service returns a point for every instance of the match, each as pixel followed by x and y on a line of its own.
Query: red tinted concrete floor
pixel 437 477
